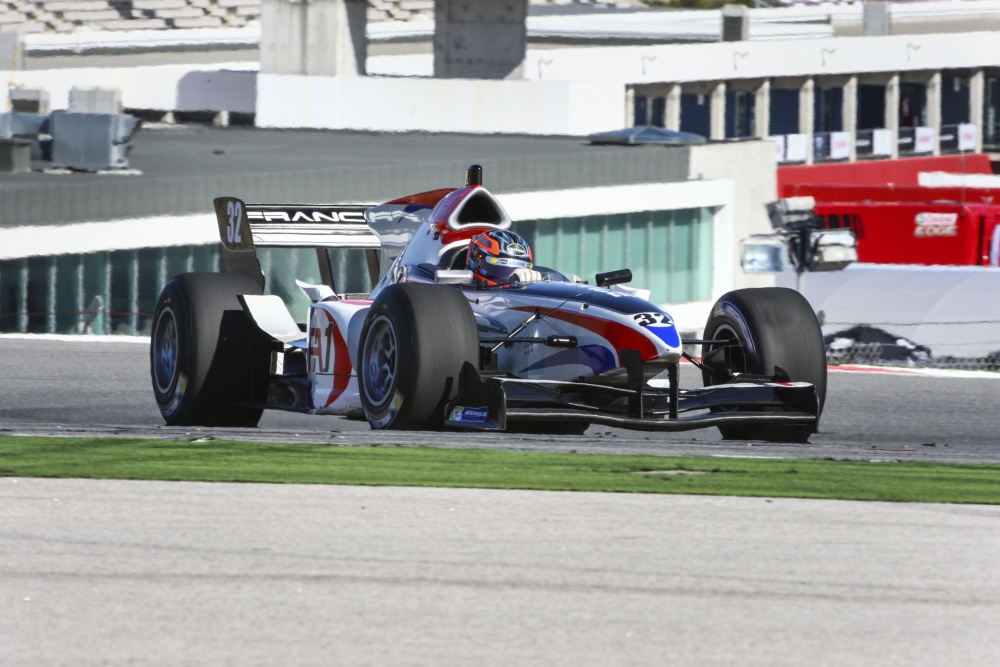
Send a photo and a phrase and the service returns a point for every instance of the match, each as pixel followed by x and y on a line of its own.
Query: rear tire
pixel 208 360
pixel 414 342
pixel 770 326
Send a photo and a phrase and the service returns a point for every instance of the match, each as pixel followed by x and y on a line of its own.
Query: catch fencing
pixel 886 354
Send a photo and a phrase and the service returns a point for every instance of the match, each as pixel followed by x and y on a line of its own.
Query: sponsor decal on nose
pixel 469 414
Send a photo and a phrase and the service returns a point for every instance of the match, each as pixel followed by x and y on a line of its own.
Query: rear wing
pixel 297 225
pixel 243 227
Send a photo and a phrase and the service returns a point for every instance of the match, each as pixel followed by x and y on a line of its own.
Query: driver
pixel 501 257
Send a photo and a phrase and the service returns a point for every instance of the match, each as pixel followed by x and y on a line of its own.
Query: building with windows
pixel 91 252
pixel 832 99
pixel 82 250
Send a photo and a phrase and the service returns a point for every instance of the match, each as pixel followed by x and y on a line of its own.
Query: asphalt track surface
pixel 60 386
pixel 161 573
pixel 165 573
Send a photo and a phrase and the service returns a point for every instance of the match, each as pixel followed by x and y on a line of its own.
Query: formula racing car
pixel 428 312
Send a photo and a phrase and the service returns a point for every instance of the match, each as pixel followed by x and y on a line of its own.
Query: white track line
pixel 79 338
pixel 926 372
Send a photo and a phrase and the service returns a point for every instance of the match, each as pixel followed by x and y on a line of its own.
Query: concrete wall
pixel 226 87
pixel 750 166
pixel 479 39
pixel 322 37
pixel 439 105
pixel 951 309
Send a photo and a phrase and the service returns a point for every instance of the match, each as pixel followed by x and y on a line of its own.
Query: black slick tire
pixel 209 362
pixel 415 339
pixel 770 327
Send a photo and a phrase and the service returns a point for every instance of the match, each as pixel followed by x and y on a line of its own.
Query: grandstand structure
pixel 66 16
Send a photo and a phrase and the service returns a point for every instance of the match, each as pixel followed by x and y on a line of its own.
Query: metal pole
pixel 802 253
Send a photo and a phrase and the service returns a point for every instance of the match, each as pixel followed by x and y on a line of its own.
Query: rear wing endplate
pixel 238 253
pixel 244 227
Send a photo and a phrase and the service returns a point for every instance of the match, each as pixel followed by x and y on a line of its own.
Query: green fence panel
pixel 669 252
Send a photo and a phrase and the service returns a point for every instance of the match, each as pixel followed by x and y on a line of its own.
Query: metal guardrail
pixel 878 143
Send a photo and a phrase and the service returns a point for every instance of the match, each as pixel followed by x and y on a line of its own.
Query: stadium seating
pixel 64 16
pixel 61 16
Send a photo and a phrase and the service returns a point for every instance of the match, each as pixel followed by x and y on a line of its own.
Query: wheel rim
pixel 165 350
pixel 380 361
pixel 734 355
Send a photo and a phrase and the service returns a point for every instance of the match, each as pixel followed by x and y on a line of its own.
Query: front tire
pixel 414 342
pixel 208 360
pixel 766 328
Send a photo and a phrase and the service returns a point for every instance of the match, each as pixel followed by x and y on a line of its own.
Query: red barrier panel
pixel 903 172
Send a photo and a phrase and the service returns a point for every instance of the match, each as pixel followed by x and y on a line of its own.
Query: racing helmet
pixel 495 255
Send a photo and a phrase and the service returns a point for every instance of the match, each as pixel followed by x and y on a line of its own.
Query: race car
pixel 427 312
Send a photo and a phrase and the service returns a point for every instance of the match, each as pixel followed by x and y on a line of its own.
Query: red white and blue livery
pixel 462 327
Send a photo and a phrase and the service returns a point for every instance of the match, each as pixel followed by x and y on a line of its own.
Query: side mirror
pixel 610 278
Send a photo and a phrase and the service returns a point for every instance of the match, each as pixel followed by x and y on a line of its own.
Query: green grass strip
pixel 225 461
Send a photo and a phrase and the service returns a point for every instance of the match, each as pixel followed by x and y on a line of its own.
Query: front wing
pixel 492 402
